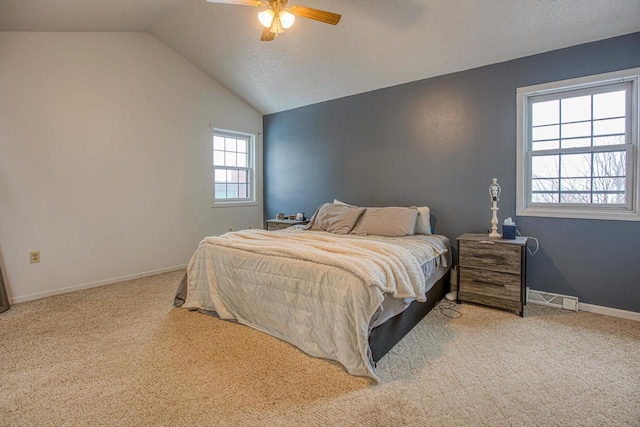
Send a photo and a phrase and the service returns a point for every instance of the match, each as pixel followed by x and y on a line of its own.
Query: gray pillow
pixel 338 219
pixel 389 221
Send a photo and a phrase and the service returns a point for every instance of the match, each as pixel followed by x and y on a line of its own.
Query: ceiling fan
pixel 278 17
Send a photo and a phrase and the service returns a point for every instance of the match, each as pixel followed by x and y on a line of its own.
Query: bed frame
pixel 382 338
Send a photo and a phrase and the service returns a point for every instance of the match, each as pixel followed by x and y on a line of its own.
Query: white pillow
pixel 423 223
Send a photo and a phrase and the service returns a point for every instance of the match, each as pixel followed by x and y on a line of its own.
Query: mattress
pixel 433 270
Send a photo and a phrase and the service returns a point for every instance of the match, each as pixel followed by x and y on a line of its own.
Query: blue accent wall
pixel 439 142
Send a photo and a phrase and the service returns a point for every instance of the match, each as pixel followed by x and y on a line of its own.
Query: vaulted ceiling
pixel 377 44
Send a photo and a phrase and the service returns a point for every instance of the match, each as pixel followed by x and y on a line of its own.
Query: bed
pixel 335 291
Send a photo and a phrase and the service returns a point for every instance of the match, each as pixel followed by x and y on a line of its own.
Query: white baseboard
pixel 608 311
pixel 631 315
pixel 39 295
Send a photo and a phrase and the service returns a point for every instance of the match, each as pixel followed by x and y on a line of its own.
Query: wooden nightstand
pixel 492 271
pixel 279 224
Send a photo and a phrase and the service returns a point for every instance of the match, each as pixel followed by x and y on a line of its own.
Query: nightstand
pixel 492 271
pixel 279 224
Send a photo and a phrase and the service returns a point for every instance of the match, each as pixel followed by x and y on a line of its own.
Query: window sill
pixel 609 215
pixel 233 204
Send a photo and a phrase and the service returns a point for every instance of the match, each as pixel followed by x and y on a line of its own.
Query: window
pixel 233 168
pixel 578 148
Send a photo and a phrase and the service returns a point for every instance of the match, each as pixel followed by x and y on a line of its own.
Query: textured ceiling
pixel 378 43
pixel 82 15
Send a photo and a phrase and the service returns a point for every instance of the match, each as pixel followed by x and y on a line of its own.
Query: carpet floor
pixel 122 355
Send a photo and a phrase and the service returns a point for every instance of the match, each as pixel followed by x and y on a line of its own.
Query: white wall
pixel 105 159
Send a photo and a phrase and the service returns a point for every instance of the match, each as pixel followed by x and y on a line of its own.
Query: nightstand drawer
pixel 491 301
pixel 277 226
pixel 490 283
pixel 492 256
pixel 280 224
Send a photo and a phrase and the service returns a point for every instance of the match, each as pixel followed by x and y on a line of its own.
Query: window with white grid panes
pixel 233 170
pixel 578 148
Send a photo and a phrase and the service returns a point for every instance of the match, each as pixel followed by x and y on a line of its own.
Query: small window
pixel 578 148
pixel 233 168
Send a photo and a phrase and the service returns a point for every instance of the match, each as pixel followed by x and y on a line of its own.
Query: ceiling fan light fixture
pixel 266 17
pixel 287 19
pixel 276 25
pixel 278 17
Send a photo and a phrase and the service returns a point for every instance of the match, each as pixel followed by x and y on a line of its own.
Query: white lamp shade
pixel 265 17
pixel 287 19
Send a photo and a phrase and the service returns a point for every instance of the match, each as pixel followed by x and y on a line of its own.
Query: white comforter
pixel 315 290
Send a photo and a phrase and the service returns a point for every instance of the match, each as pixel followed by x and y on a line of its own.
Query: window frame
pixel 555 90
pixel 250 168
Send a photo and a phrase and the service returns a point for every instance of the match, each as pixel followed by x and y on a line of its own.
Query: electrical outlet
pixel 229 229
pixel 34 257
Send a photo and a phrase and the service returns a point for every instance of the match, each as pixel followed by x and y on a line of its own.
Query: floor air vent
pixel 552 300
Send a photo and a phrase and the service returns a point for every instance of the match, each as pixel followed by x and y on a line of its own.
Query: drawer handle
pixel 487 242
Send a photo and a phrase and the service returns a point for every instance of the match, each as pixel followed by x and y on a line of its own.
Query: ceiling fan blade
pixel 240 2
pixel 267 35
pixel 318 15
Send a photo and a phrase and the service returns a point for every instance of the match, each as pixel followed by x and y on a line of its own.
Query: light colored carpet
pixel 122 355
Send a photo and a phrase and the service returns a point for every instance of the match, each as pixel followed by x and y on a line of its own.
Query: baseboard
pixel 581 306
pixel 624 314
pixel 39 295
